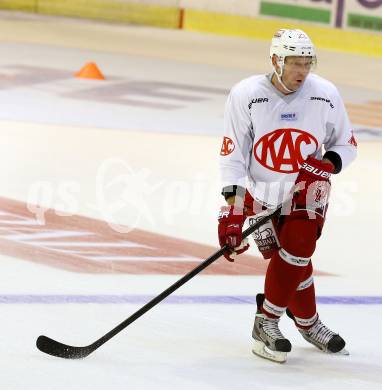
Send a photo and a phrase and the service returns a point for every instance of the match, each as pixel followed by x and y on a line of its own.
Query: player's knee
pixel 298 237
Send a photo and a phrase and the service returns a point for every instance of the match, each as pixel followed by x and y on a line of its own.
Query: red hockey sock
pixel 281 282
pixel 303 302
pixel 288 266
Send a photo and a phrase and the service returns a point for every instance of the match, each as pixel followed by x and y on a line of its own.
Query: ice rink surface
pixel 140 150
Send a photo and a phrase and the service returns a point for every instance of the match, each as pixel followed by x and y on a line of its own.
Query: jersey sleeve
pixel 237 143
pixel 341 145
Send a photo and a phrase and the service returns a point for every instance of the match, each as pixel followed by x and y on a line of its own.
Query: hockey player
pixel 274 129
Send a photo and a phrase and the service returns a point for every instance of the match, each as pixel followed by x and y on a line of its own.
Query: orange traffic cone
pixel 90 71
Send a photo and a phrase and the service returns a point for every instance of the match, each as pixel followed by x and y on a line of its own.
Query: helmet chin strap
pixel 281 65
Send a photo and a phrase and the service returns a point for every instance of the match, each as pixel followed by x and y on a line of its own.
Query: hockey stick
pixel 55 348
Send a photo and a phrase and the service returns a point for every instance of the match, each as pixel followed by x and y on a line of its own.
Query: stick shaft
pixel 55 348
pixel 179 283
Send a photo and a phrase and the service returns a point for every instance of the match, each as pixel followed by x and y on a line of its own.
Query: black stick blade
pixel 54 348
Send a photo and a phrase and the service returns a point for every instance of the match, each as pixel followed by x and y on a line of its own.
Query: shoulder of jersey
pixel 323 85
pixel 248 85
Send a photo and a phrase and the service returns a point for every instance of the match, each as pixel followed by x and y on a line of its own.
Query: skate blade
pixel 260 349
pixel 343 352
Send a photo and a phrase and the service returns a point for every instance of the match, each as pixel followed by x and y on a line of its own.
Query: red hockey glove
pixel 312 189
pixel 231 220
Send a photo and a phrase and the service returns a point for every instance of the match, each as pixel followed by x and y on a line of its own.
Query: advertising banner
pixel 364 14
pixel 316 11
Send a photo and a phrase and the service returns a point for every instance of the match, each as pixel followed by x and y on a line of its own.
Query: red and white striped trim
pixel 273 309
pixel 305 284
pixel 293 260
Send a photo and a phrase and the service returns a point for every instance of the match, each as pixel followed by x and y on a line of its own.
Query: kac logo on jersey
pixel 280 150
pixel 227 147
pixel 288 116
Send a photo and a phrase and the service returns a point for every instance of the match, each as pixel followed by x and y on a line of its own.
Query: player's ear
pixel 275 64
pixel 274 60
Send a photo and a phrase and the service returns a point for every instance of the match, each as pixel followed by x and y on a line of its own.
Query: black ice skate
pixel 269 341
pixel 322 337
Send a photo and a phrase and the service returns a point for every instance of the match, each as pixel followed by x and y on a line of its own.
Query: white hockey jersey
pixel 268 135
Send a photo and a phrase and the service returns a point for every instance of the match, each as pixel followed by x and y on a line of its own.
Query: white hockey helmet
pixel 292 43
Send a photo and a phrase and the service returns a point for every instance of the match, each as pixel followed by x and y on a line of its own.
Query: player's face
pixel 295 71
